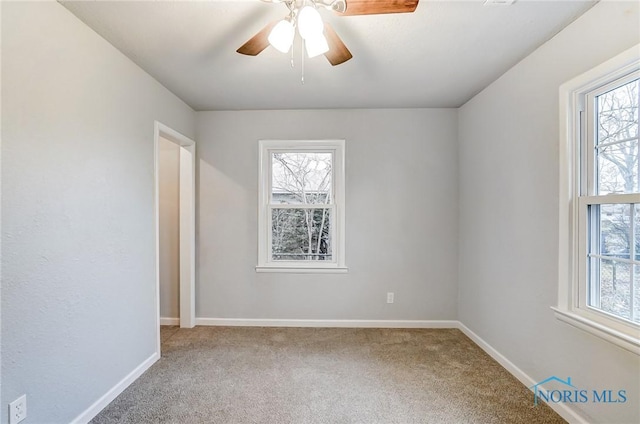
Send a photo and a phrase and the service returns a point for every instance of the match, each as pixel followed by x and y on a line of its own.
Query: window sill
pixel 625 341
pixel 303 270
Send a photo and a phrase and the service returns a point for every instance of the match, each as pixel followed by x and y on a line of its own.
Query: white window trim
pixel 569 307
pixel 265 264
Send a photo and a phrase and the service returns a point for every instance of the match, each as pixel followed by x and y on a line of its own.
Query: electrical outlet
pixel 390 297
pixel 18 410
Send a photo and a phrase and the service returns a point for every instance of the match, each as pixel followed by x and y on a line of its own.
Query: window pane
pixel 301 235
pixel 637 230
pixel 615 230
pixel 618 168
pixel 614 282
pixel 301 178
pixel 611 284
pixel 618 113
pixel 636 295
pixel 617 140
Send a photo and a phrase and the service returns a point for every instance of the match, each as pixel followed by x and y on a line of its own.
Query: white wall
pixel 169 220
pixel 1 206
pixel 77 213
pixel 509 214
pixel 78 270
pixel 401 236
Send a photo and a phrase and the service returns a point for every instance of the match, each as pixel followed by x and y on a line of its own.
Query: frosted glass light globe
pixel 281 36
pixel 309 22
pixel 316 45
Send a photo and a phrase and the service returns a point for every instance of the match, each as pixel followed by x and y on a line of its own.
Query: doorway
pixel 175 227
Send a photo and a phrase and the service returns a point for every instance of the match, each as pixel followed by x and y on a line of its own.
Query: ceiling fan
pixel 319 37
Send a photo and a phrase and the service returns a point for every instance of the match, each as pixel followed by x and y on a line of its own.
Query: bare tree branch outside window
pixel 304 232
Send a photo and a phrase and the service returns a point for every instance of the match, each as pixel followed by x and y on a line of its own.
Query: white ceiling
pixel 439 56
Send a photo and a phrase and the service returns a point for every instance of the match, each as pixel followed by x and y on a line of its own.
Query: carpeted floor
pixel 322 375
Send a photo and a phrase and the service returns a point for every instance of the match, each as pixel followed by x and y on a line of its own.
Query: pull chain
pixel 292 64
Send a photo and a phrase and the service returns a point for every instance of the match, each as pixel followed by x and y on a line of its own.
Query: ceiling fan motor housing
pixel 339 6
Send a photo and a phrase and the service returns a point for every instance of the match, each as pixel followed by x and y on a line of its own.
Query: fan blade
pixel 338 53
pixel 258 42
pixel 376 7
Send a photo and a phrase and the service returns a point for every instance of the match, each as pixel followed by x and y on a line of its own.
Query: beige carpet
pixel 319 375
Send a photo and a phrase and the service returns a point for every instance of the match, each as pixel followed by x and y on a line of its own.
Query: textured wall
pixel 77 213
pixel 509 214
pixel 78 264
pixel 401 198
pixel 169 220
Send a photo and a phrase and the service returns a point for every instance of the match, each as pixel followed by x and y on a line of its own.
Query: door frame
pixel 187 222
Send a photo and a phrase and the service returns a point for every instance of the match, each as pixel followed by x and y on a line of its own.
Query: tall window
pixel 610 202
pixel 301 225
pixel 600 181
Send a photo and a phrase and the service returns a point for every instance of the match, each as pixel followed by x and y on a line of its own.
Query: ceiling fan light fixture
pixel 314 33
pixel 309 22
pixel 281 36
pixel 316 45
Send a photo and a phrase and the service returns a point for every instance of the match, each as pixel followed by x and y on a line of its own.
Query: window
pixel 301 216
pixel 600 202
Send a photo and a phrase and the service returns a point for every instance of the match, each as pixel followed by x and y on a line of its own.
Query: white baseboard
pixel 101 403
pixel 561 408
pixel 169 321
pixel 328 323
